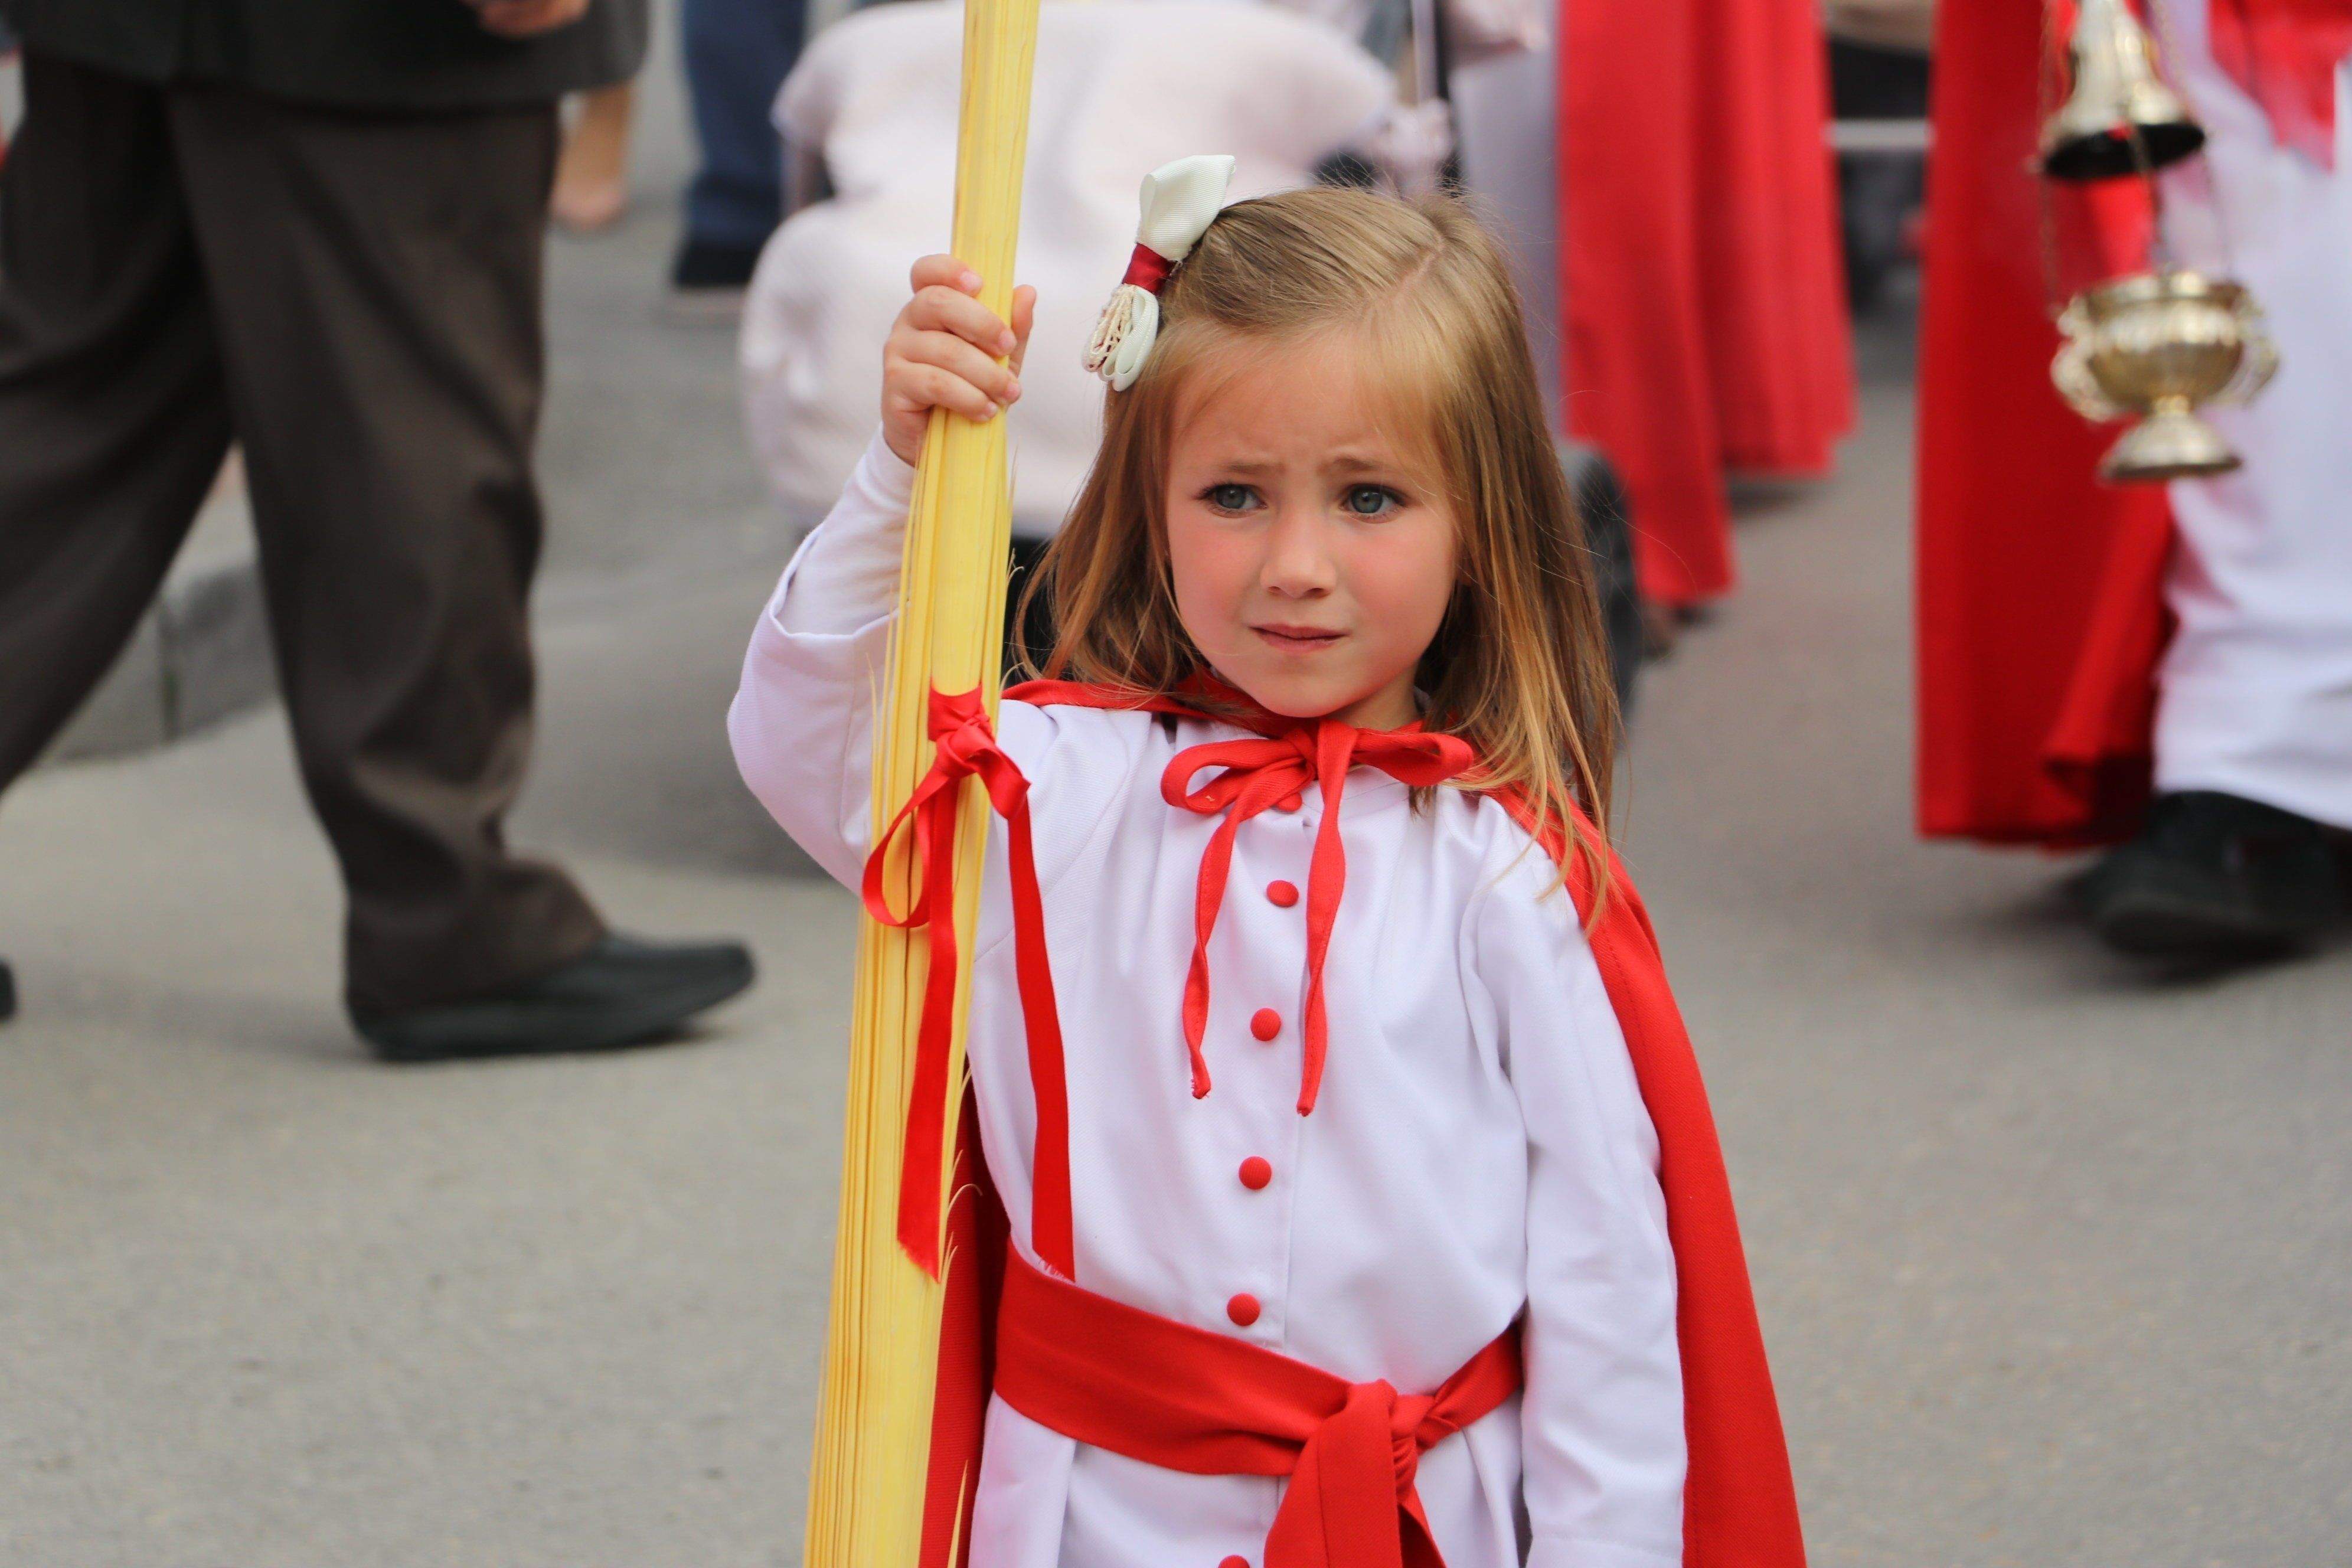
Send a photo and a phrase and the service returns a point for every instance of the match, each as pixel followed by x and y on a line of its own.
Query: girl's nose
pixel 1298 563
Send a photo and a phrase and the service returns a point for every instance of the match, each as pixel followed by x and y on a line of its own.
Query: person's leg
pixel 738 53
pixel 377 285
pixel 113 419
pixel 2257 683
pixel 592 178
pixel 2253 733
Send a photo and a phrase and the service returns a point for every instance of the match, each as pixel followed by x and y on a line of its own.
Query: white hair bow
pixel 1180 201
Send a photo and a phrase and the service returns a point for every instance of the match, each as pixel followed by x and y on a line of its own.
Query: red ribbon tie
pixel 964 746
pixel 1255 773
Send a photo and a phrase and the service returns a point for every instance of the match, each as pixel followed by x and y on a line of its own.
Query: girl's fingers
pixel 1025 316
pixel 927 386
pixel 943 309
pixel 944 272
pixel 953 354
pixel 946 350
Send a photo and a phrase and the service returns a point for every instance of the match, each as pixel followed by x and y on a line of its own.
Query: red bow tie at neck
pixel 1255 773
pixel 964 746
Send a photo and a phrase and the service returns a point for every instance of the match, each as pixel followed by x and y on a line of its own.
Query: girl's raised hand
pixel 942 352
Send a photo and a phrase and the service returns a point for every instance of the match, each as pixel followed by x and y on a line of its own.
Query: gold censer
pixel 2159 346
pixel 2155 346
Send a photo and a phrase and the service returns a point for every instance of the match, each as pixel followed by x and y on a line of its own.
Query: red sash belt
pixel 1187 1399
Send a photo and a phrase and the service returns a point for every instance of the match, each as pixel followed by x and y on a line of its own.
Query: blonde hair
pixel 1519 665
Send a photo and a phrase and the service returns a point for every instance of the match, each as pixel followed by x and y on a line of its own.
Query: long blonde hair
pixel 1519 666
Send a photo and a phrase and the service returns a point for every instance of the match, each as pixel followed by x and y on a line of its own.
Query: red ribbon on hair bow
pixel 1148 269
pixel 964 746
pixel 1257 772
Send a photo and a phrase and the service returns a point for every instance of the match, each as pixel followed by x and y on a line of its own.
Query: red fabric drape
pixel 978 1245
pixel 1739 1500
pixel 1771 263
pixel 2038 589
pixel 1702 296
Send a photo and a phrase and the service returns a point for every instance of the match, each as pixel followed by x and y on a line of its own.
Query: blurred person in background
pixel 316 229
pixel 2167 666
pixel 1701 296
pixel 738 53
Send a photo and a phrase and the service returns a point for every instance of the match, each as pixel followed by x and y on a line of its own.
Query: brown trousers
pixel 355 300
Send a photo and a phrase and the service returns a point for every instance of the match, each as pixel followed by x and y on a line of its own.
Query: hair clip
pixel 1180 201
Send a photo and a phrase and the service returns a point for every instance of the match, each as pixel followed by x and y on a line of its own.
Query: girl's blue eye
pixel 1372 500
pixel 1229 498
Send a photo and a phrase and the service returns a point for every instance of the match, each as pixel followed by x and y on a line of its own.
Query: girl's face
pixel 1313 556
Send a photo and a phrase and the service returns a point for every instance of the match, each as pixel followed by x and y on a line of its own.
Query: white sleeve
pixel 1602 1417
pixel 802 720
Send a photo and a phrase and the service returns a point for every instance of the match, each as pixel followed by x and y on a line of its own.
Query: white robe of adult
pixel 2255 690
pixel 1480 1151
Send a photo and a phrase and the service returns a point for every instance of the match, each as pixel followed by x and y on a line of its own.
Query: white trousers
pixel 2255 692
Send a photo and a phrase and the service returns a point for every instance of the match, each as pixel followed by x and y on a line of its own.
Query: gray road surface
pixel 2053 1258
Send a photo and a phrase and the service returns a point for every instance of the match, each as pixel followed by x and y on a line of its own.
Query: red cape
pixel 1703 292
pixel 2040 590
pixel 1739 1502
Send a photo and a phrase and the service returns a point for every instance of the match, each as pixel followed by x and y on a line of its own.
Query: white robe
pixel 1480 1150
pixel 2255 692
pixel 1120 90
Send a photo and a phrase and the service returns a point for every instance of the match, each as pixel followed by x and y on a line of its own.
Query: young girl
pixel 1393 1229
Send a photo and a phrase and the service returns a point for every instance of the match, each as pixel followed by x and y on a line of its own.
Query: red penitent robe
pixel 1703 301
pixel 2039 604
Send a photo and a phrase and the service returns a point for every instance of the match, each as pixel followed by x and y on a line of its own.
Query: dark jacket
pixel 359 54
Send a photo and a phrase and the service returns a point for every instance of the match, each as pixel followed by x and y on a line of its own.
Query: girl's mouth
pixel 1297 639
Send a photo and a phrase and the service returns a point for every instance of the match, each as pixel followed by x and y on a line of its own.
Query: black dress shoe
pixel 707 264
pixel 621 992
pixel 8 992
pixel 707 281
pixel 2215 877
